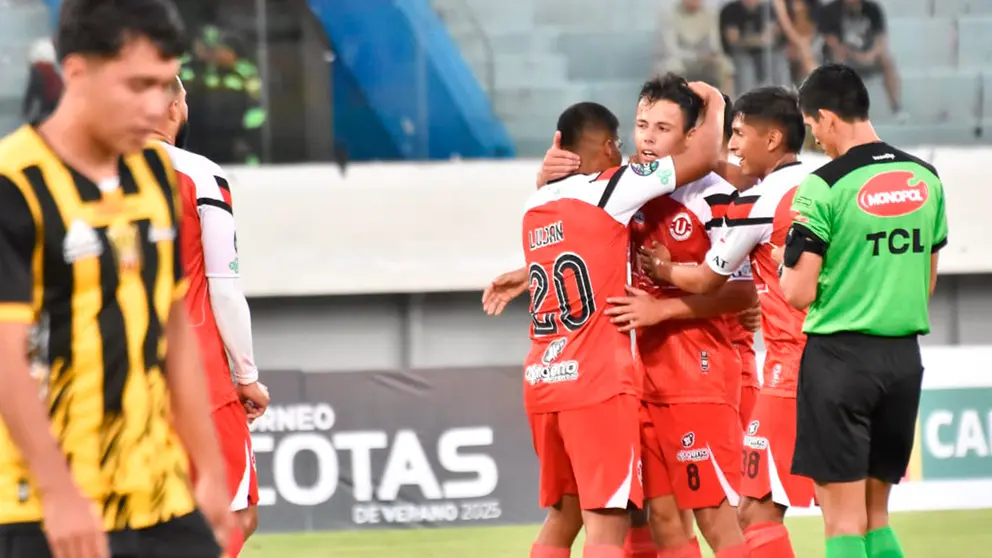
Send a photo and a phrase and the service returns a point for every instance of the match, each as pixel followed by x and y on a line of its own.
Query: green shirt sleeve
pixel 811 208
pixel 940 225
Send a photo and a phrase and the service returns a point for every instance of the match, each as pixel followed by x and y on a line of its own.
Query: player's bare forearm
pixel 799 282
pixel 188 395
pixel 24 413
pixel 696 279
pixel 732 298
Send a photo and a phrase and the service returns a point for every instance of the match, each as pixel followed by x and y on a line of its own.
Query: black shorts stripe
pixel 215 203
pixel 611 186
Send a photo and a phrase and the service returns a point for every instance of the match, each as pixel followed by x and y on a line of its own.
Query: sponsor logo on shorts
pixel 681 227
pixel 641 169
pixel 691 456
pixel 756 442
pixel 567 371
pixel 554 350
pixel 893 194
pixel 704 361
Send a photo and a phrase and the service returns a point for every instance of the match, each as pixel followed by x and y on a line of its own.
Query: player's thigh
pixel 604 449
pixel 188 536
pixel 23 540
pixel 702 450
pixel 556 478
pixel 836 397
pixel 769 443
pixel 654 471
pixel 893 425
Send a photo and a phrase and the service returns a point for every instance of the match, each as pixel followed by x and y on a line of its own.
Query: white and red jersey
pixel 757 221
pixel 210 250
pixel 576 242
pixel 687 361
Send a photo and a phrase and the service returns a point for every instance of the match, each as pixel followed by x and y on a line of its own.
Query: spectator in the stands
pixel 855 34
pixel 798 21
pixel 690 46
pixel 752 39
pixel 44 82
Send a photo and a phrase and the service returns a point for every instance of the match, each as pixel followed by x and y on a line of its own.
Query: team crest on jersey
pixel 752 428
pixel 644 169
pixel 554 350
pixel 688 440
pixel 123 237
pixel 681 227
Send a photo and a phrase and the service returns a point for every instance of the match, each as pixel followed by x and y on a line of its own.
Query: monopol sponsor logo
pixel 893 194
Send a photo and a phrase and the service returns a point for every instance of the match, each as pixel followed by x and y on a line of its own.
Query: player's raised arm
pixel 705 144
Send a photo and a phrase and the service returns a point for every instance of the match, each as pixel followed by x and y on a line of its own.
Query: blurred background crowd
pixel 281 81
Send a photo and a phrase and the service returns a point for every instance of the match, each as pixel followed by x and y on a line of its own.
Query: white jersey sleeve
pixel 734 245
pixel 219 236
pixel 634 185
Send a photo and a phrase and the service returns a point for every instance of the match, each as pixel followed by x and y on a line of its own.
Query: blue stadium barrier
pixel 398 71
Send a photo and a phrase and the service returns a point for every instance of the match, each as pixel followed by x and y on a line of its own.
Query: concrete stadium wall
pixel 400 332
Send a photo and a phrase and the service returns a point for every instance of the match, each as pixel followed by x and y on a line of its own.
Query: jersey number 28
pixel 566 265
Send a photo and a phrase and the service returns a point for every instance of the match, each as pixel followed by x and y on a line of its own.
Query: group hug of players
pixel 640 386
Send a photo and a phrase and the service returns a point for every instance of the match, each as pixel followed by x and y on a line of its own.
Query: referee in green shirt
pixel 862 255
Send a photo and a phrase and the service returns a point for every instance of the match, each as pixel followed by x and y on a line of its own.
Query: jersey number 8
pixel 570 317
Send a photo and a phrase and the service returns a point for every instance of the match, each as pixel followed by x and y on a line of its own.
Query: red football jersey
pixel 576 241
pixel 743 340
pixel 756 222
pixel 687 361
pixel 206 198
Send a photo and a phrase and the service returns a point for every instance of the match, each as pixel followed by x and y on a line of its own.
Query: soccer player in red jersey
pixel 219 314
pixel 768 135
pixel 582 376
pixel 691 434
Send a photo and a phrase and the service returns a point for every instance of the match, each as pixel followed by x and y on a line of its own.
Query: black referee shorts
pixel 188 536
pixel 856 408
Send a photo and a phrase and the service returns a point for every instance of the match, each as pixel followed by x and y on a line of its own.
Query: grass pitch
pixel 923 535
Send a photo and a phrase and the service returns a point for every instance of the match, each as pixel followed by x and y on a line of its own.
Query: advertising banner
pixel 384 449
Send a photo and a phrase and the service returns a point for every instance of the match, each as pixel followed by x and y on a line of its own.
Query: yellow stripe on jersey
pixel 105 271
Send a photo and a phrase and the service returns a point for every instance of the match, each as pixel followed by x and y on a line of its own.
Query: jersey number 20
pixel 567 264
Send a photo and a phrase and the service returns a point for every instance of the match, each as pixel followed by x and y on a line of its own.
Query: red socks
pixel 544 551
pixel 602 551
pixel 688 550
pixel 769 540
pixel 739 551
pixel 235 543
pixel 639 543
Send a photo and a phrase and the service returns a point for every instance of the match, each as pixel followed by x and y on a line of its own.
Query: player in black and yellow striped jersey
pixel 99 412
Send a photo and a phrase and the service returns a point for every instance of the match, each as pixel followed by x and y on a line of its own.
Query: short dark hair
pixel 582 118
pixel 776 106
pixel 837 88
pixel 728 118
pixel 102 27
pixel 674 88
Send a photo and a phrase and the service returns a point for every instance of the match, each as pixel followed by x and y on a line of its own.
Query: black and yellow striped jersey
pixel 95 269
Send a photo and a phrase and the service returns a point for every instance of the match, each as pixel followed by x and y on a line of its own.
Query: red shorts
pixel 749 396
pixel 691 450
pixel 769 442
pixel 231 425
pixel 593 451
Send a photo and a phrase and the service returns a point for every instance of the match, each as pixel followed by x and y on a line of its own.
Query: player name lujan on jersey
pixel 547 235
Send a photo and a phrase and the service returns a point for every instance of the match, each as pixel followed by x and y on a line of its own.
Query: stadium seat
pixel 529 70
pixel 908 8
pixel 975 41
pixel 961 7
pixel 942 96
pixel 922 42
pixel 608 56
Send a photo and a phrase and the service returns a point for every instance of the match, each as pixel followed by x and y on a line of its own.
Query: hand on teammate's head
pixel 559 163
pixel 705 91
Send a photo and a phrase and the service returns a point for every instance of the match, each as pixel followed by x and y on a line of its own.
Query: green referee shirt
pixel 880 211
